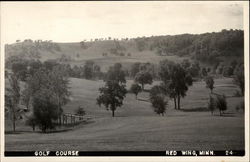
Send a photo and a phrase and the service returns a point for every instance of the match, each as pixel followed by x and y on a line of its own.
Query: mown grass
pixel 136 127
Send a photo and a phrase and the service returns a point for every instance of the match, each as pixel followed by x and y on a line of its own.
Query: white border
pixel 130 159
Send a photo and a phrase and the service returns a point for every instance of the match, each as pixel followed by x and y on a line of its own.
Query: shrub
pixel 159 105
pixel 157 99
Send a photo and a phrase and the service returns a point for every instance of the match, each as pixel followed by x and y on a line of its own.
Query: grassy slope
pixel 136 127
pixel 94 52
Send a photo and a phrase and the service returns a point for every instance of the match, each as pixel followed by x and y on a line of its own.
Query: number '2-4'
pixel 229 152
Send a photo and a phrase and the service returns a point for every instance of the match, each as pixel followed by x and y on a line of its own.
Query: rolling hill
pixel 208 48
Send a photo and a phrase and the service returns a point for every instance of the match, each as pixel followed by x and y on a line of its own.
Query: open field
pixel 136 127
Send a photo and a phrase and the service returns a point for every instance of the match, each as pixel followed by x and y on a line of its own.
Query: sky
pixel 76 21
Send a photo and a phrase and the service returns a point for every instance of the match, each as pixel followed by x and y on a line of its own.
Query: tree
pixel 116 74
pixel 59 85
pixel 20 69
pixel 55 80
pixel 114 91
pixel 221 103
pixel 194 69
pixel 180 81
pixel 239 80
pixel 175 80
pixel 143 78
pixel 210 83
pixel 135 88
pixel 211 104
pixel 165 72
pixel 88 69
pixel 12 98
pixel 45 109
pixel 158 100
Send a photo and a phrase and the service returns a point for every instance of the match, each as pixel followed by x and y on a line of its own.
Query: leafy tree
pixel 54 81
pixel 175 80
pixel 12 98
pixel 239 79
pixel 116 74
pixel 194 69
pixel 166 68
pixel 58 83
pixel 114 91
pixel 180 81
pixel 210 83
pixel 158 100
pixel 135 88
pixel 97 72
pixel 45 109
pixel 143 78
pixel 211 104
pixel 88 69
pixel 221 103
pixel 33 66
pixel 20 69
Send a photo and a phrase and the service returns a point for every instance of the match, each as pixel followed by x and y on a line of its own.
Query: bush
pixel 221 103
pixel 159 105
pixel 157 99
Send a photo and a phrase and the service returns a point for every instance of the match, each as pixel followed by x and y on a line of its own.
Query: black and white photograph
pixel 125 78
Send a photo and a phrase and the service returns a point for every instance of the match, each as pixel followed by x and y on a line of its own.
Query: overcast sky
pixel 76 21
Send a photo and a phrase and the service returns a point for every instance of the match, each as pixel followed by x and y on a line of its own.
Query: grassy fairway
pixel 136 127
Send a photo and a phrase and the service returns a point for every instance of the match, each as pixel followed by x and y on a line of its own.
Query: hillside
pixel 207 48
